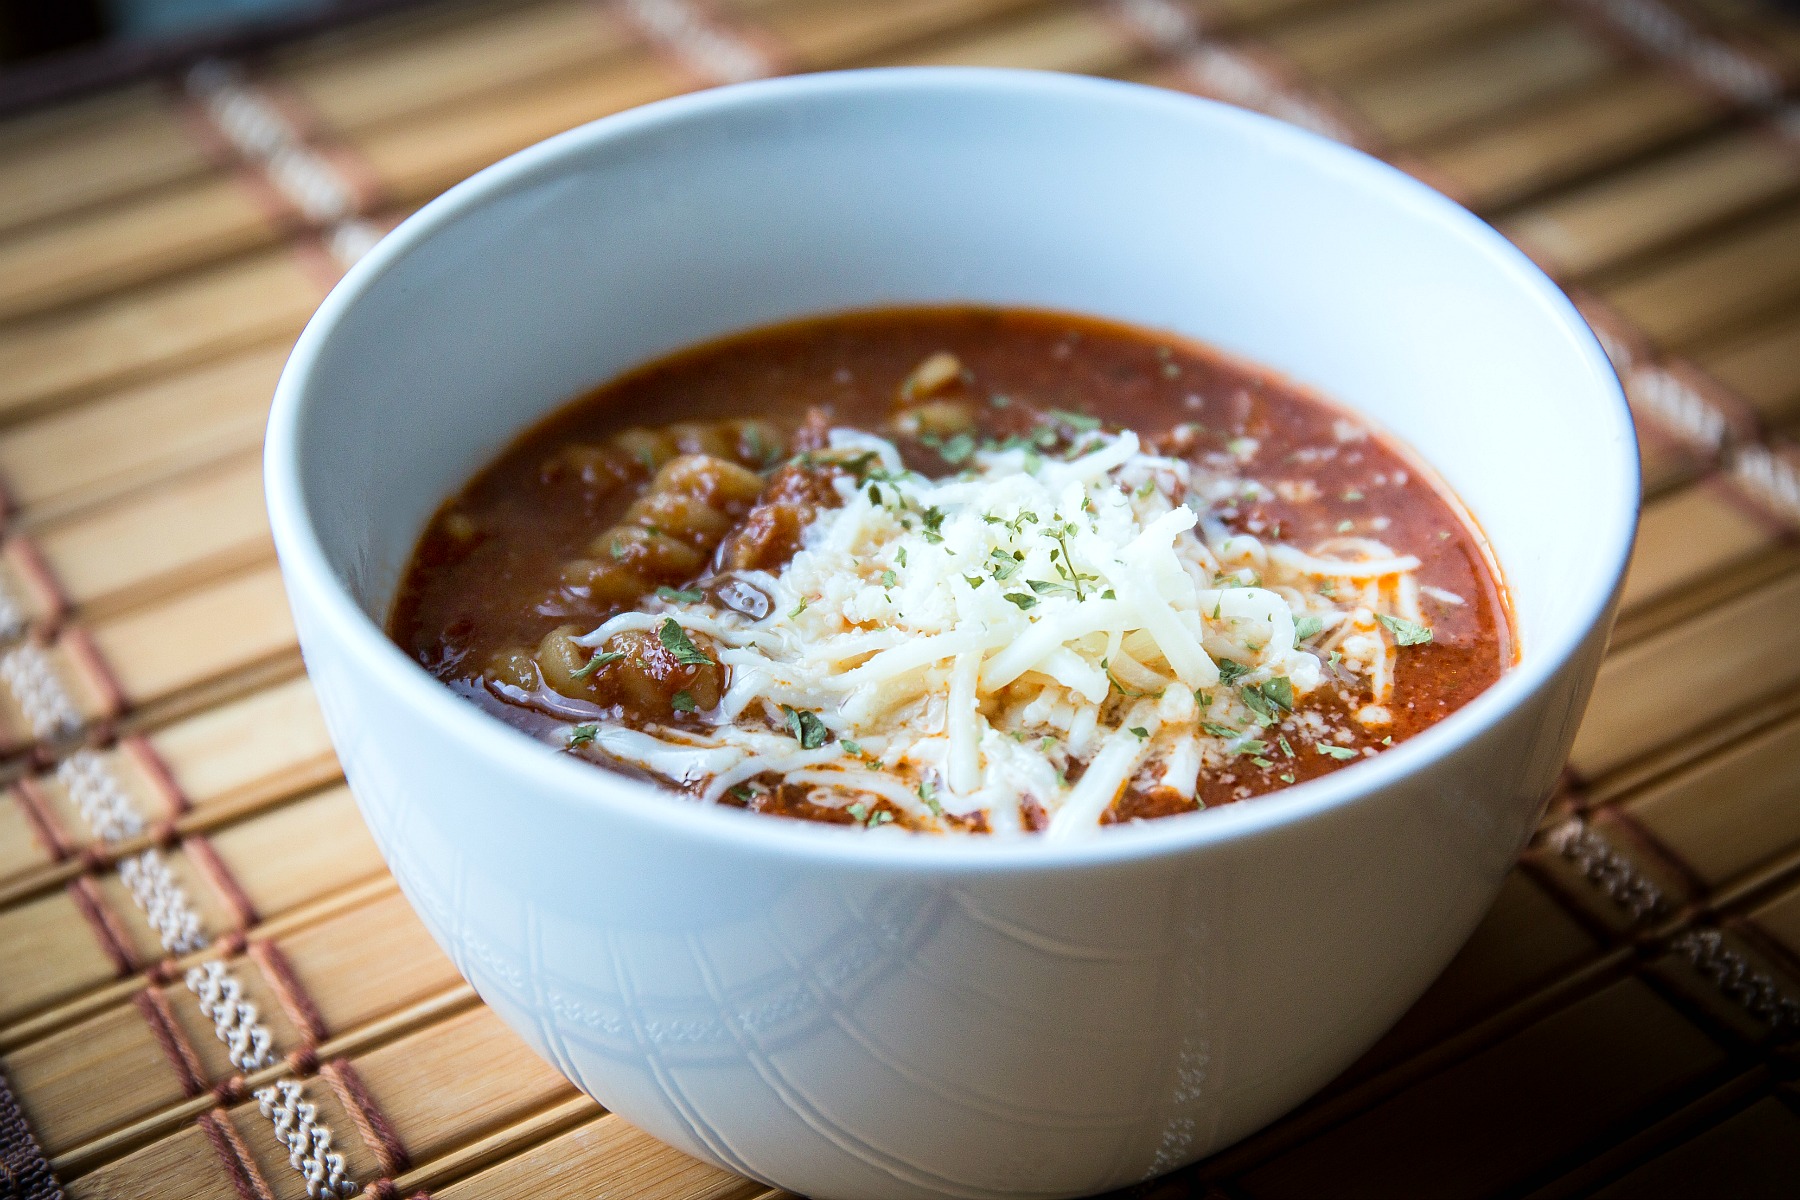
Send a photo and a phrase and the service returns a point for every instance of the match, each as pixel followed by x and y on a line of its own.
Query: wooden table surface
pixel 192 915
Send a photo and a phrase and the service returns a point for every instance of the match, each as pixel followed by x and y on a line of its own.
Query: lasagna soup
pixel 958 571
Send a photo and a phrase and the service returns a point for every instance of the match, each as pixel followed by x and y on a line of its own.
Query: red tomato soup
pixel 958 570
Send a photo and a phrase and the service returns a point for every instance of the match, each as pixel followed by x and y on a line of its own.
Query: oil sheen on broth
pixel 957 570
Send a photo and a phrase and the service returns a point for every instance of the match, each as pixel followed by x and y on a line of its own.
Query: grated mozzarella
pixel 979 638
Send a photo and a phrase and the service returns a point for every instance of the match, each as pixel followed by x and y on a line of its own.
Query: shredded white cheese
pixel 1017 645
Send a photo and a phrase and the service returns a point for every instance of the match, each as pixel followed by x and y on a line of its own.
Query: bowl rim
pixel 314 585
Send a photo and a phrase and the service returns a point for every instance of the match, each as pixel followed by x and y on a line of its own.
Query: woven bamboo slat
pixel 1481 80
pixel 1750 1153
pixel 561 1169
pixel 1588 1037
pixel 1659 688
pixel 1619 116
pixel 80 456
pixel 423 60
pixel 219 765
pixel 1691 536
pixel 1759 364
pixel 148 330
pixel 1728 279
pixel 1618 1052
pixel 1342 39
pixel 67 159
pixel 91 254
pixel 1592 228
pixel 153 542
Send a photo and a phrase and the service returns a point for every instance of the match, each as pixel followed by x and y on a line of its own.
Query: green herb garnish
pixel 1338 752
pixel 596 662
pixel 808 730
pixel 1022 600
pixel 684 595
pixel 1307 627
pixel 682 701
pixel 581 735
pixel 1230 672
pixel 1406 633
pixel 675 640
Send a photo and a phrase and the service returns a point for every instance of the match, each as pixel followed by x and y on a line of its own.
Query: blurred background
pixel 53 48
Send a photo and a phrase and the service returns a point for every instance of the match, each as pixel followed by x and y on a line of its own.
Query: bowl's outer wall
pixel 899 1025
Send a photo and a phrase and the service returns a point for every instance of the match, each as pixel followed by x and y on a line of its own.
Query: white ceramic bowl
pixel 850 1016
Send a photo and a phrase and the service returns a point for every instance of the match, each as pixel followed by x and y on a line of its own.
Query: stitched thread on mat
pixel 24 1171
pixel 295 1120
pixel 41 696
pixel 98 797
pixel 1734 975
pixel 698 40
pixel 258 130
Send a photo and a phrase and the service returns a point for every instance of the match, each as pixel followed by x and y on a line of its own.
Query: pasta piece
pixel 633 670
pixel 668 533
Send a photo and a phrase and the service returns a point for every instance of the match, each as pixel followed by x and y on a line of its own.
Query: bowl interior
pixel 621 241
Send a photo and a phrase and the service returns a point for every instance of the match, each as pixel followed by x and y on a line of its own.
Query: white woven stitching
pixel 1223 71
pixel 163 902
pixel 262 133
pixel 698 41
pixel 234 1018
pixel 296 1126
pixel 38 691
pixel 1660 30
pixel 1606 868
pixel 1770 477
pixel 98 797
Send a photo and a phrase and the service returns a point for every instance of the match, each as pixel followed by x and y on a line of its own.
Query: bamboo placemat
pixel 209 986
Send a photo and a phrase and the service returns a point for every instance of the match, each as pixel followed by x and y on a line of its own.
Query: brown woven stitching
pixel 24 1172
pixel 242 1169
pixel 288 991
pixel 367 1118
pixel 36 807
pixel 86 655
pixel 206 860
pixel 140 751
pixel 154 1007
pixel 111 935
pixel 40 578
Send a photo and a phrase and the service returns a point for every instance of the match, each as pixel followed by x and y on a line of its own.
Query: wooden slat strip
pixel 153 329
pixel 1753 1152
pixel 429 60
pixel 1656 691
pixel 1731 812
pixel 138 549
pixel 1517 1110
pixel 1762 365
pixel 84 1122
pixel 82 155
pixel 319 843
pixel 1724 282
pixel 563 1168
pixel 1622 115
pixel 1482 81
pixel 1075 38
pixel 1344 40
pixel 168 230
pixel 1691 537
pixel 482 1079
pixel 1634 211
